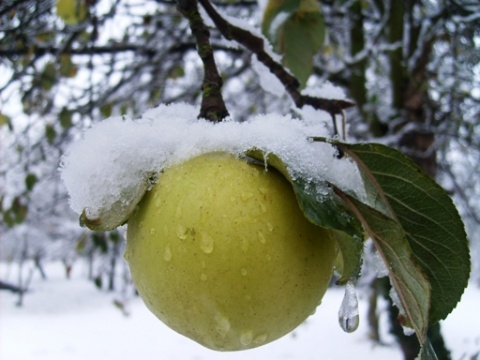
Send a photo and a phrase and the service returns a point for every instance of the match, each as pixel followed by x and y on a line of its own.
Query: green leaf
pixel 430 220
pixel 106 110
pixel 328 211
pixel 297 31
pixel 50 133
pixel 5 120
pixel 274 9
pixel 301 38
pixel 48 77
pixel 71 12
pixel 410 283
pixel 30 181
pixel 65 118
pixel 67 67
pixel 351 250
pixel 16 214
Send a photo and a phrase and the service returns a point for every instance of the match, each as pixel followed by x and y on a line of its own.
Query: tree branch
pixel 213 107
pixel 256 45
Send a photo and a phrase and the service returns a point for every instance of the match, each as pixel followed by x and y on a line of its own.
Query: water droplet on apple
pixel 261 237
pixel 167 254
pixel 222 324
pixel 263 190
pixel 263 207
pixel 348 314
pixel 246 337
pixel 152 231
pixel 246 195
pixel 260 339
pixel 244 272
pixel 206 243
pixel 245 244
pixel 182 232
pixel 178 212
pixel 203 277
pixel 270 227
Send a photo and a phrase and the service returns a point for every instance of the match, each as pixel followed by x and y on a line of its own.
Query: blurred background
pixel 411 67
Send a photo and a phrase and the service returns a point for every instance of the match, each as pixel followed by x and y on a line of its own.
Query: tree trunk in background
pixel 409 91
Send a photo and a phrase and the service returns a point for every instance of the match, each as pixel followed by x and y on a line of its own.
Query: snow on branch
pixel 256 45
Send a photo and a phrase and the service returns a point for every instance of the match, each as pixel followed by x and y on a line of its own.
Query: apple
pixel 220 251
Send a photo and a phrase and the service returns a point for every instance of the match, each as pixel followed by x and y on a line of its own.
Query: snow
pixel 110 168
pixel 71 319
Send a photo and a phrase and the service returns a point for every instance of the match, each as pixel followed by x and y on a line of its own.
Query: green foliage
pixel 48 77
pixel 433 228
pixel 329 212
pixel 72 12
pixel 65 118
pixel 297 31
pixel 5 120
pixel 16 214
pixel 67 66
pixel 50 133
pixel 412 221
pixel 30 181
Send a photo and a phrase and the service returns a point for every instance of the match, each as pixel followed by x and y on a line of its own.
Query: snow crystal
pixel 268 81
pixel 111 167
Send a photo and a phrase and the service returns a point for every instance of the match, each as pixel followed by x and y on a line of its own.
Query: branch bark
pixel 213 106
pixel 256 45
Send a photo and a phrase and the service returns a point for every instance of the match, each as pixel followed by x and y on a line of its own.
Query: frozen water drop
pixel 206 243
pixel 203 277
pixel 348 314
pixel 152 231
pixel 244 272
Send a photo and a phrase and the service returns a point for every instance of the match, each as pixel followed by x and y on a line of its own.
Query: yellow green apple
pixel 220 251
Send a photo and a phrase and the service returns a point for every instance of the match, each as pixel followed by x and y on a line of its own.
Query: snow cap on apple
pixel 218 246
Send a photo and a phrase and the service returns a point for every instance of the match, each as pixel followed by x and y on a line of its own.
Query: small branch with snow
pixel 255 44
pixel 213 106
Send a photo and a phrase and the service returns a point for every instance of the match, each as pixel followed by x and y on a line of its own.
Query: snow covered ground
pixel 71 319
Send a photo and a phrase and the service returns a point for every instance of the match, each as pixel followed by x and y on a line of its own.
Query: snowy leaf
pixel 390 240
pixel 432 225
pixel 327 211
pixel 297 31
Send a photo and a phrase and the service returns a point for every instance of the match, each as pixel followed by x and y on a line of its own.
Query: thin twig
pixel 256 45
pixel 213 106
